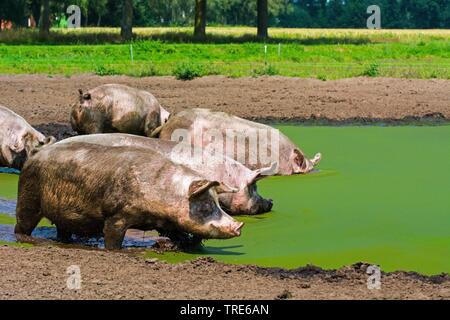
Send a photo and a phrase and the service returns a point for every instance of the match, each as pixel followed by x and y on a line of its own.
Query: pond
pixel 381 196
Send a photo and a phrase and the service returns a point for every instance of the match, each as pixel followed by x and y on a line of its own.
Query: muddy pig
pixel 238 192
pixel 117 108
pixel 92 190
pixel 253 144
pixel 18 139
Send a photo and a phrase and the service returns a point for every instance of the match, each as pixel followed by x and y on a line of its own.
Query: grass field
pixel 231 51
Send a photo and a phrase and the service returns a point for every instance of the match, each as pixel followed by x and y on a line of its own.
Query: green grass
pixel 324 54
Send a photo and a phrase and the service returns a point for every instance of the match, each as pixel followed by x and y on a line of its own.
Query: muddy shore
pixel 44 100
pixel 40 272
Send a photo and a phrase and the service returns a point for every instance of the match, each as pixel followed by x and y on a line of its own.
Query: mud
pixel 45 101
pixel 40 273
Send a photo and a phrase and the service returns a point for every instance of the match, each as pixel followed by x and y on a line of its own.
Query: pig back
pixel 99 180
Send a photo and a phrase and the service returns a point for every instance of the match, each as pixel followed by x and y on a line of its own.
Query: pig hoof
pixel 165 244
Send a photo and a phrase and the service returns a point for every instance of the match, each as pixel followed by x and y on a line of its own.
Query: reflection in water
pixel 133 238
pixel 8 207
pixel 9 170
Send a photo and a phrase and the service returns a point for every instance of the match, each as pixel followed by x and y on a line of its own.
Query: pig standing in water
pixel 291 160
pixel 18 139
pixel 90 190
pixel 117 108
pixel 230 173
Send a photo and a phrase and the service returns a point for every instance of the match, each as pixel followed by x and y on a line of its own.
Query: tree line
pixel 417 14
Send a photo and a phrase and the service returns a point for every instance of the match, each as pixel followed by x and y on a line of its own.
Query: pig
pixel 18 139
pixel 117 108
pixel 93 190
pixel 209 129
pixel 238 191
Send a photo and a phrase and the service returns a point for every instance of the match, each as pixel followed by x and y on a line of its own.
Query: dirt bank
pixel 43 100
pixel 40 273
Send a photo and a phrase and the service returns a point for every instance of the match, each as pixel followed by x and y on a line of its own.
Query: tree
pixel 262 19
pixel 44 25
pixel 126 31
pixel 200 19
pixel 99 8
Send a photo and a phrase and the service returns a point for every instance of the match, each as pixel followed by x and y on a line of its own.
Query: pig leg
pixel 63 235
pixel 28 212
pixel 114 232
pixel 180 239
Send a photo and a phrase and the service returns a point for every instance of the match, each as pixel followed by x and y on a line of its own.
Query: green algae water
pixel 382 196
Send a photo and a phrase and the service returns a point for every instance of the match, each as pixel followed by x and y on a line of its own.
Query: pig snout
pixel 266 205
pixel 304 165
pixel 226 227
pixel 259 206
pixel 245 201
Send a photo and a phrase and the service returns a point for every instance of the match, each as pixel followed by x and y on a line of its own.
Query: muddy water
pixel 381 196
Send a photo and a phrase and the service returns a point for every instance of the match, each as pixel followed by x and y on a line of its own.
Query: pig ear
pixel 84 96
pixel 81 95
pixel 50 140
pixel 263 173
pixel 224 188
pixel 198 187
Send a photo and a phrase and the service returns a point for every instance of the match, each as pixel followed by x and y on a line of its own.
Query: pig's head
pixel 246 200
pixel 34 142
pixel 300 164
pixel 164 115
pixel 206 218
pixel 26 145
pixel 83 113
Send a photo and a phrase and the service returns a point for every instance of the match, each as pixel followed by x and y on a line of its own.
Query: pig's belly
pixel 128 122
pixel 80 222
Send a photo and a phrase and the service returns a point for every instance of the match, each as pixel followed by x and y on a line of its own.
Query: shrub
pixel 372 71
pixel 105 71
pixel 188 71
pixel 146 71
pixel 267 70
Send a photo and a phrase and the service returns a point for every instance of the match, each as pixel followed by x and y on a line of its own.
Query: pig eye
pixel 206 209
